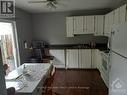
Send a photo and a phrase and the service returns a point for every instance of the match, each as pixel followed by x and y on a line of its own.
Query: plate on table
pixel 16 84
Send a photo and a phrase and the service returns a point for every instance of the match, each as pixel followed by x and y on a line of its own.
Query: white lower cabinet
pixel 70 26
pixel 75 58
pixel 72 58
pixel 85 58
pixel 78 58
pixel 94 58
pixel 59 57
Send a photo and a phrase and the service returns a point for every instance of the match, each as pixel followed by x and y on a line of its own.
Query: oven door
pixel 105 68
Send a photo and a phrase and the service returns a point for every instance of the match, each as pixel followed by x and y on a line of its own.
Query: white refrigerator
pixel 118 61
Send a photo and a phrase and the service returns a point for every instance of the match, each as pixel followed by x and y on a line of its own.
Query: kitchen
pixel 78 40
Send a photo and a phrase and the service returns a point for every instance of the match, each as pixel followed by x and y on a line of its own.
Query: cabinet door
pixel 85 58
pixel 99 25
pixel 59 58
pixel 90 25
pixel 111 21
pixel 94 58
pixel 72 58
pixel 78 25
pixel 85 24
pixel 116 16
pixel 122 18
pixel 106 25
pixel 69 26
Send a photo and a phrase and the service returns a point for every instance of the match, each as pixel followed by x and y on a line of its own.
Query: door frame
pixel 15 40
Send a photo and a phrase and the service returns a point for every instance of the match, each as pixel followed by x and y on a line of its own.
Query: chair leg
pixel 11 91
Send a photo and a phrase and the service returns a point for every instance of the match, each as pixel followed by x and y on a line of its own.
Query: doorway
pixel 9 45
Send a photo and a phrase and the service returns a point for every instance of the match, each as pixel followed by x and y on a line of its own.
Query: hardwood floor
pixel 78 82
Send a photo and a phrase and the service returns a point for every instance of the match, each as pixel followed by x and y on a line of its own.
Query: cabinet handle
pixel 112 33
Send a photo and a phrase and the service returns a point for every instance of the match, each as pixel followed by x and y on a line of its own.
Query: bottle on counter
pixel 93 45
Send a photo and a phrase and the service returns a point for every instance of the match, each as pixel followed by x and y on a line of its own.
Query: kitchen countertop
pixel 38 71
pixel 79 46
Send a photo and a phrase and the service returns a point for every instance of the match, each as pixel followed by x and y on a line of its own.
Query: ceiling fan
pixel 49 3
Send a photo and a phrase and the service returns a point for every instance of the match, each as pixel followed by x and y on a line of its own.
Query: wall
pixel 51 27
pixel 24 31
pixel 2 78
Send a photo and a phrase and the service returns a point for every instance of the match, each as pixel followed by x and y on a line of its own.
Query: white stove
pixel 105 67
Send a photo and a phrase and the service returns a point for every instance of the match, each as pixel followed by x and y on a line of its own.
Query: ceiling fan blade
pixel 54 6
pixel 37 1
pixel 51 5
pixel 62 4
pixel 55 2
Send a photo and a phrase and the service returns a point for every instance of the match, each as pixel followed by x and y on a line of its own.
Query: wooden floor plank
pixel 78 82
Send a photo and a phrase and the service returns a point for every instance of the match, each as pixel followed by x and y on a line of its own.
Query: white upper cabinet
pixel 99 25
pixel 116 16
pixel 90 25
pixel 106 28
pixel 122 11
pixel 84 25
pixel 70 26
pixel 78 25
pixel 109 21
pixel 120 15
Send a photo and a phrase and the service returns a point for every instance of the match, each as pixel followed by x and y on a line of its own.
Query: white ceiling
pixel 67 5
